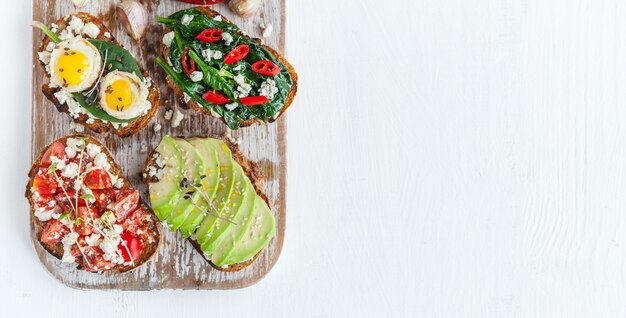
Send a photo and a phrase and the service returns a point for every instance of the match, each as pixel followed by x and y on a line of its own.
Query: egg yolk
pixel 119 95
pixel 72 67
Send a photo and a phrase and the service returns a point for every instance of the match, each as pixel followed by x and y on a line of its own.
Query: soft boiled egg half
pixel 75 65
pixel 123 95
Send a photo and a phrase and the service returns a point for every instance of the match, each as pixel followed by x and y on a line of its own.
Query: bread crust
pixel 193 105
pixel 251 170
pixel 98 125
pixel 56 249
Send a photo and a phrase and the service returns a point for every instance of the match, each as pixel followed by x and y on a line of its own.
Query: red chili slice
pixel 133 244
pixel 236 54
pixel 189 65
pixel 215 98
pixel 98 179
pixel 266 67
pixel 210 35
pixel 254 100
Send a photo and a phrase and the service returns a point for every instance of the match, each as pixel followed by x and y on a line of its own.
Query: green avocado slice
pixel 224 190
pixel 192 171
pixel 165 193
pixel 229 212
pixel 261 228
pixel 209 184
pixel 241 219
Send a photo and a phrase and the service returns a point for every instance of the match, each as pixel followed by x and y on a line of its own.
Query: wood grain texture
pixel 176 265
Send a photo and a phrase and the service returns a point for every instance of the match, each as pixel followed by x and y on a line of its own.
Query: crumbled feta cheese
pixel 218 18
pixel 44 57
pixel 60 164
pixel 70 171
pixel 71 153
pixel 76 24
pixel 93 150
pixel 178 117
pixel 101 161
pixel 93 239
pixel 68 241
pixel 215 114
pixel 186 97
pixel 44 214
pixel 75 143
pixel 50 46
pixel 209 54
pixel 196 76
pixel 227 37
pixel 159 160
pixel 143 149
pixel 186 19
pixel 119 183
pixel 244 88
pixel 109 245
pixel 66 34
pixel 168 114
pixel 90 120
pixel 156 127
pixel 238 67
pixel 168 38
pixel 267 32
pixel 231 106
pixel 91 30
pixel 107 34
pixel 268 88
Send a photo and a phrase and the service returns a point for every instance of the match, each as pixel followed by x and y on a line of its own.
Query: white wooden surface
pixel 447 158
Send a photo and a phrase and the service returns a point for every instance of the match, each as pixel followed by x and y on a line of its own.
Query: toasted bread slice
pixel 97 125
pixel 193 105
pixel 56 249
pixel 251 170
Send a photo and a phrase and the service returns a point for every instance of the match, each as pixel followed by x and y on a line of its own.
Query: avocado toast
pixel 215 68
pixel 208 190
pixel 93 78
pixel 85 211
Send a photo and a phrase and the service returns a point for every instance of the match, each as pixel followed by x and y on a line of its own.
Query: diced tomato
pixel 103 197
pixel 83 221
pixel 98 179
pixel 95 261
pixel 57 149
pixel 236 54
pixel 53 231
pixel 127 201
pixel 254 100
pixel 135 220
pixel 64 203
pixel 45 183
pixel 266 67
pixel 75 250
pixel 133 244
pixel 215 98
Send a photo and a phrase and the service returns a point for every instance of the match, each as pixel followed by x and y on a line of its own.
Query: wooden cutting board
pixel 176 265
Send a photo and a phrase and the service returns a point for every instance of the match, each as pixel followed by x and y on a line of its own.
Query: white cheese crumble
pixel 60 164
pixel 238 67
pixel 159 160
pixel 168 114
pixel 65 97
pixel 168 38
pixel 110 243
pixel 227 37
pixel 68 241
pixel 215 114
pixel 107 34
pixel 90 121
pixel 93 239
pixel 156 127
pixel 44 57
pixel 76 24
pixel 101 161
pixel 119 183
pixel 71 153
pixel 70 171
pixel 77 127
pixel 186 19
pixel 231 106
pixel 91 30
pixel 267 32
pixel 244 88
pixel 196 76
pixel 44 214
pixel 268 88
pixel 75 143
pixel 218 18
pixel 186 97
pixel 93 150
pixel 178 117
pixel 66 34
pixel 209 54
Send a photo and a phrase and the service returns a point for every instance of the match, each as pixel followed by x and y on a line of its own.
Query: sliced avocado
pixel 209 184
pixel 192 171
pixel 260 229
pixel 229 213
pixel 235 230
pixel 165 193
pixel 224 190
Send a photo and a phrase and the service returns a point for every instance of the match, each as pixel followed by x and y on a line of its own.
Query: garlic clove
pixel 245 8
pixel 134 17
